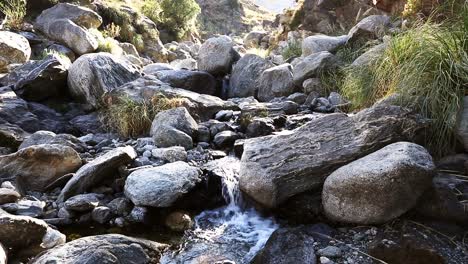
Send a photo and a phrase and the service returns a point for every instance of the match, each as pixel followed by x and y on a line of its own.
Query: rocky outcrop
pixel 380 186
pixel 311 66
pixel 274 168
pixel 161 186
pixel 276 82
pixel 35 167
pixel 92 75
pixel 96 171
pixel 195 81
pixel 14 48
pixel 68 24
pixel 319 43
pixel 104 249
pixel 174 127
pixel 245 75
pixel 217 55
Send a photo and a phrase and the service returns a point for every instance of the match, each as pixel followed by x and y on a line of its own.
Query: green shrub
pixel 178 16
pixel 151 9
pixel 294 49
pixel 111 31
pixel 428 62
pixel 109 45
pixel 132 118
pixel 15 11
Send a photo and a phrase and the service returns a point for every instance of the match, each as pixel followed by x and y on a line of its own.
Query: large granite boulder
pixel 92 75
pixel 380 186
pixel 371 27
pixel 217 55
pixel 14 48
pixel 319 43
pixel 103 249
pixel 35 167
pixel 312 65
pixel 275 168
pixel 161 186
pixel 195 81
pixel 96 171
pixel 68 24
pixel 245 75
pixel 276 82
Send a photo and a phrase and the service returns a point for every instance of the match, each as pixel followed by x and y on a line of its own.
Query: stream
pixel 234 232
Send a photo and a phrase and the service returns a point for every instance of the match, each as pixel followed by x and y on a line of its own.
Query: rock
pixel 90 123
pixel 372 27
pixel 268 109
pixel 187 64
pixel 170 155
pixel 224 115
pixel 161 186
pixel 174 127
pixel 22 232
pixel 195 81
pixel 245 75
pixel 120 206
pixel 68 24
pixel 217 55
pixel 11 135
pixel 28 206
pixel 47 137
pixel 287 245
pixel 138 214
pixel 330 252
pixel 370 56
pixel 179 221
pixel 82 202
pixel 298 98
pixel 96 171
pixel 64 213
pixel 154 68
pixel 225 139
pixel 14 49
pixel 312 65
pixel 39 80
pixel 3 255
pixel 104 249
pixel 313 85
pixel 101 214
pixel 319 43
pixel 15 114
pixel 462 123
pixel 8 196
pixel 92 75
pixel 380 186
pixel 276 82
pixel 336 99
pixel 35 167
pixel 253 39
pixel 201 106
pixel 260 127
pixel 333 140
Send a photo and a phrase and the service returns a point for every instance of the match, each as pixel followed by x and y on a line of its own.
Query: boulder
pixel 47 137
pixel 11 135
pixel 314 85
pixel 275 168
pixel 27 206
pixel 68 24
pixel 319 43
pixel 225 139
pixel 82 202
pixel 101 214
pixel 276 82
pixel 371 27
pixel 380 186
pixel 8 196
pixel 110 248
pixel 174 127
pixel 312 65
pixel 195 81
pixel 14 49
pixel 35 167
pixel 22 232
pixel 161 186
pixel 96 171
pixel 39 80
pixel 245 75
pixel 370 56
pixel 217 55
pixel 171 154
pixel 201 106
pixel 92 75
pixel 462 123
pixel 154 68
pixel 287 245
pixel 253 39
pixel 15 111
pixel 178 221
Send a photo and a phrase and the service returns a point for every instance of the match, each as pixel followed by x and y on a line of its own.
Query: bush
pixel 132 118
pixel 263 53
pixel 178 16
pixel 294 49
pixel 15 11
pixel 151 9
pixel 111 31
pixel 427 64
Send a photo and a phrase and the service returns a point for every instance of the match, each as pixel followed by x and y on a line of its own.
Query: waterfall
pixel 233 232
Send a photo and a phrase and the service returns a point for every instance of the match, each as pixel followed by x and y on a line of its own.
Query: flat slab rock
pixel 275 168
pixel 103 249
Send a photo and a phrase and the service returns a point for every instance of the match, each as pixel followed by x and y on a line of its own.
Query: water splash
pixel 232 232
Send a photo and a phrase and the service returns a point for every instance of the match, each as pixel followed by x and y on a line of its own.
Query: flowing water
pixel 233 232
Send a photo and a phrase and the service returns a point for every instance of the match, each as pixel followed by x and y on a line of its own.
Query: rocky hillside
pixel 350 147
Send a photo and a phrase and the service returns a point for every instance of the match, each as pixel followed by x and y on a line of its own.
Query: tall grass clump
pixel 130 118
pixel 428 67
pixel 15 11
pixel 292 50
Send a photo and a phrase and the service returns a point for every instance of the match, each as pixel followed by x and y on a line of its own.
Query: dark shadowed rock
pixel 47 137
pixel 96 171
pixel 245 75
pixel 195 81
pixel 82 202
pixel 274 168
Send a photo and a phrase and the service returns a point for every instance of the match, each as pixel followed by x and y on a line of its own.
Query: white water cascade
pixel 230 233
